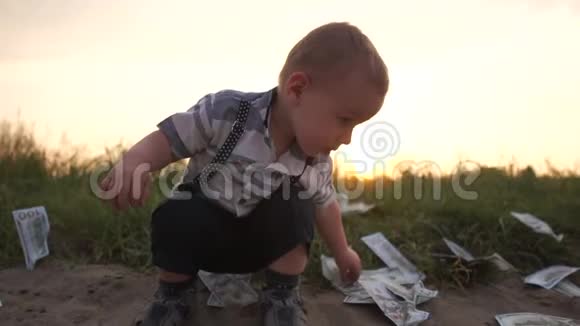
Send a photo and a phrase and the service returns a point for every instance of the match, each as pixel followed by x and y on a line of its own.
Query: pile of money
pixel 396 289
pixel 392 257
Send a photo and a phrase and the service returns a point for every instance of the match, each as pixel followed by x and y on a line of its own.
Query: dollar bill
pixel 551 276
pixel 33 228
pixel 392 279
pixel 392 274
pixel 415 294
pixel 496 259
pixel 229 289
pixel 422 294
pixel 537 225
pixel 331 273
pixel 399 312
pixel 499 262
pixel 346 207
pixel 533 319
pixel 392 257
pixel 355 300
pixel 567 288
pixel 214 301
pixel 458 250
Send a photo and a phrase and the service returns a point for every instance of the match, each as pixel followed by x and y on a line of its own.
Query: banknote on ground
pixel 495 259
pixel 533 319
pixel 229 289
pixel 392 257
pixel 537 225
pixel 33 228
pixel 568 288
pixel 401 313
pixel 551 276
pixel 390 278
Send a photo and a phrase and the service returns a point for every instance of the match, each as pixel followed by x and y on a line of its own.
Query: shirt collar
pixel 294 159
pixel 264 104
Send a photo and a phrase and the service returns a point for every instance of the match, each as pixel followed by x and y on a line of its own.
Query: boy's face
pixel 325 115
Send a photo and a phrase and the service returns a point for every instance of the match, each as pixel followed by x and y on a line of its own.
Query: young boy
pixel 259 176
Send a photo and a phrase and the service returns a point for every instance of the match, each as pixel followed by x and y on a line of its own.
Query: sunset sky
pixel 490 81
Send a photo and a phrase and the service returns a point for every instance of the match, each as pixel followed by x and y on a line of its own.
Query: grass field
pixel 86 231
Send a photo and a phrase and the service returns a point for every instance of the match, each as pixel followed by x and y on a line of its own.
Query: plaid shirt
pixel 252 171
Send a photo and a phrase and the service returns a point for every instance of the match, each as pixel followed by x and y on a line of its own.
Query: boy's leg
pixel 180 232
pixel 171 277
pixel 172 301
pixel 281 303
pixel 292 263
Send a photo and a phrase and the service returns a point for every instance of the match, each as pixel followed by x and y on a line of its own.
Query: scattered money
pixel 416 294
pixel 567 288
pixel 392 257
pixel 391 274
pixel 399 312
pixel 387 277
pixel 422 294
pixel 346 207
pixel 499 262
pixel 33 228
pixel 533 319
pixel 459 251
pixel 214 301
pixel 385 287
pixel 354 300
pixel 537 225
pixel 551 276
pixel 331 273
pixel 228 289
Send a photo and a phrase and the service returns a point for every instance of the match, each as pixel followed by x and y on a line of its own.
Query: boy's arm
pixel 179 136
pixel 331 230
pixel 329 225
pixel 154 150
pixel 129 181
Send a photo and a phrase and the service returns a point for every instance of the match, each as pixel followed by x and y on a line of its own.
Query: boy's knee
pixel 292 262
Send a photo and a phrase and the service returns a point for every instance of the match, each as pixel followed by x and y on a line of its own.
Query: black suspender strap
pixel 226 149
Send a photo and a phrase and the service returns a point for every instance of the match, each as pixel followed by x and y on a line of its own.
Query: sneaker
pixel 170 307
pixel 282 307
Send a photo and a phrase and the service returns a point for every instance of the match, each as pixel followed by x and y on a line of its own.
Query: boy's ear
pixel 296 84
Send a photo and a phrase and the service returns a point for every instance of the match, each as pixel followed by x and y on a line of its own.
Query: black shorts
pixel 193 234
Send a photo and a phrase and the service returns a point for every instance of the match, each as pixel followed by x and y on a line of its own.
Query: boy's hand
pixel 349 264
pixel 127 184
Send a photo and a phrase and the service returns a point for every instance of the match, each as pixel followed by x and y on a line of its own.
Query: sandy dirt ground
pixel 56 293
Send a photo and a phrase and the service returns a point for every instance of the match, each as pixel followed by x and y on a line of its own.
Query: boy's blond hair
pixel 333 50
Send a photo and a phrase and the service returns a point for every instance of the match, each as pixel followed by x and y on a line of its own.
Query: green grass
pixel 86 231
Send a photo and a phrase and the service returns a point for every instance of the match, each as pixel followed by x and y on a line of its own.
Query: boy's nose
pixel 345 139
